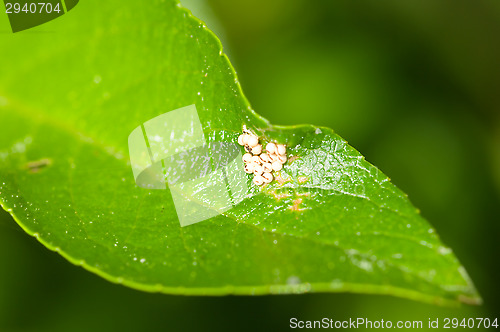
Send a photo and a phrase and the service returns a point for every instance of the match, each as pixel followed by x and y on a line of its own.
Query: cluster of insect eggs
pixel 261 164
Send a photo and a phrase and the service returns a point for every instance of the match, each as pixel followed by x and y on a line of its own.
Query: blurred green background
pixel 413 85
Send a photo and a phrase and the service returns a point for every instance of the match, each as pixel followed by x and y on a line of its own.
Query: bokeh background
pixel 413 85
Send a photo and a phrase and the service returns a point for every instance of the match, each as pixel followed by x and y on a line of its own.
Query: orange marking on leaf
pixel 296 203
pixel 279 196
pixel 302 179
pixel 279 179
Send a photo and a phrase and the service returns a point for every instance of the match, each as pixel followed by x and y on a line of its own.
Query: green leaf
pixel 72 90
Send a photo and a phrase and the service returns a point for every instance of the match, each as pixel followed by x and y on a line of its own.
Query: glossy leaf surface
pixel 68 101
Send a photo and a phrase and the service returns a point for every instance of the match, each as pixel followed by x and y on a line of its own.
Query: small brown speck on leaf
pixel 469 300
pixel 37 165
